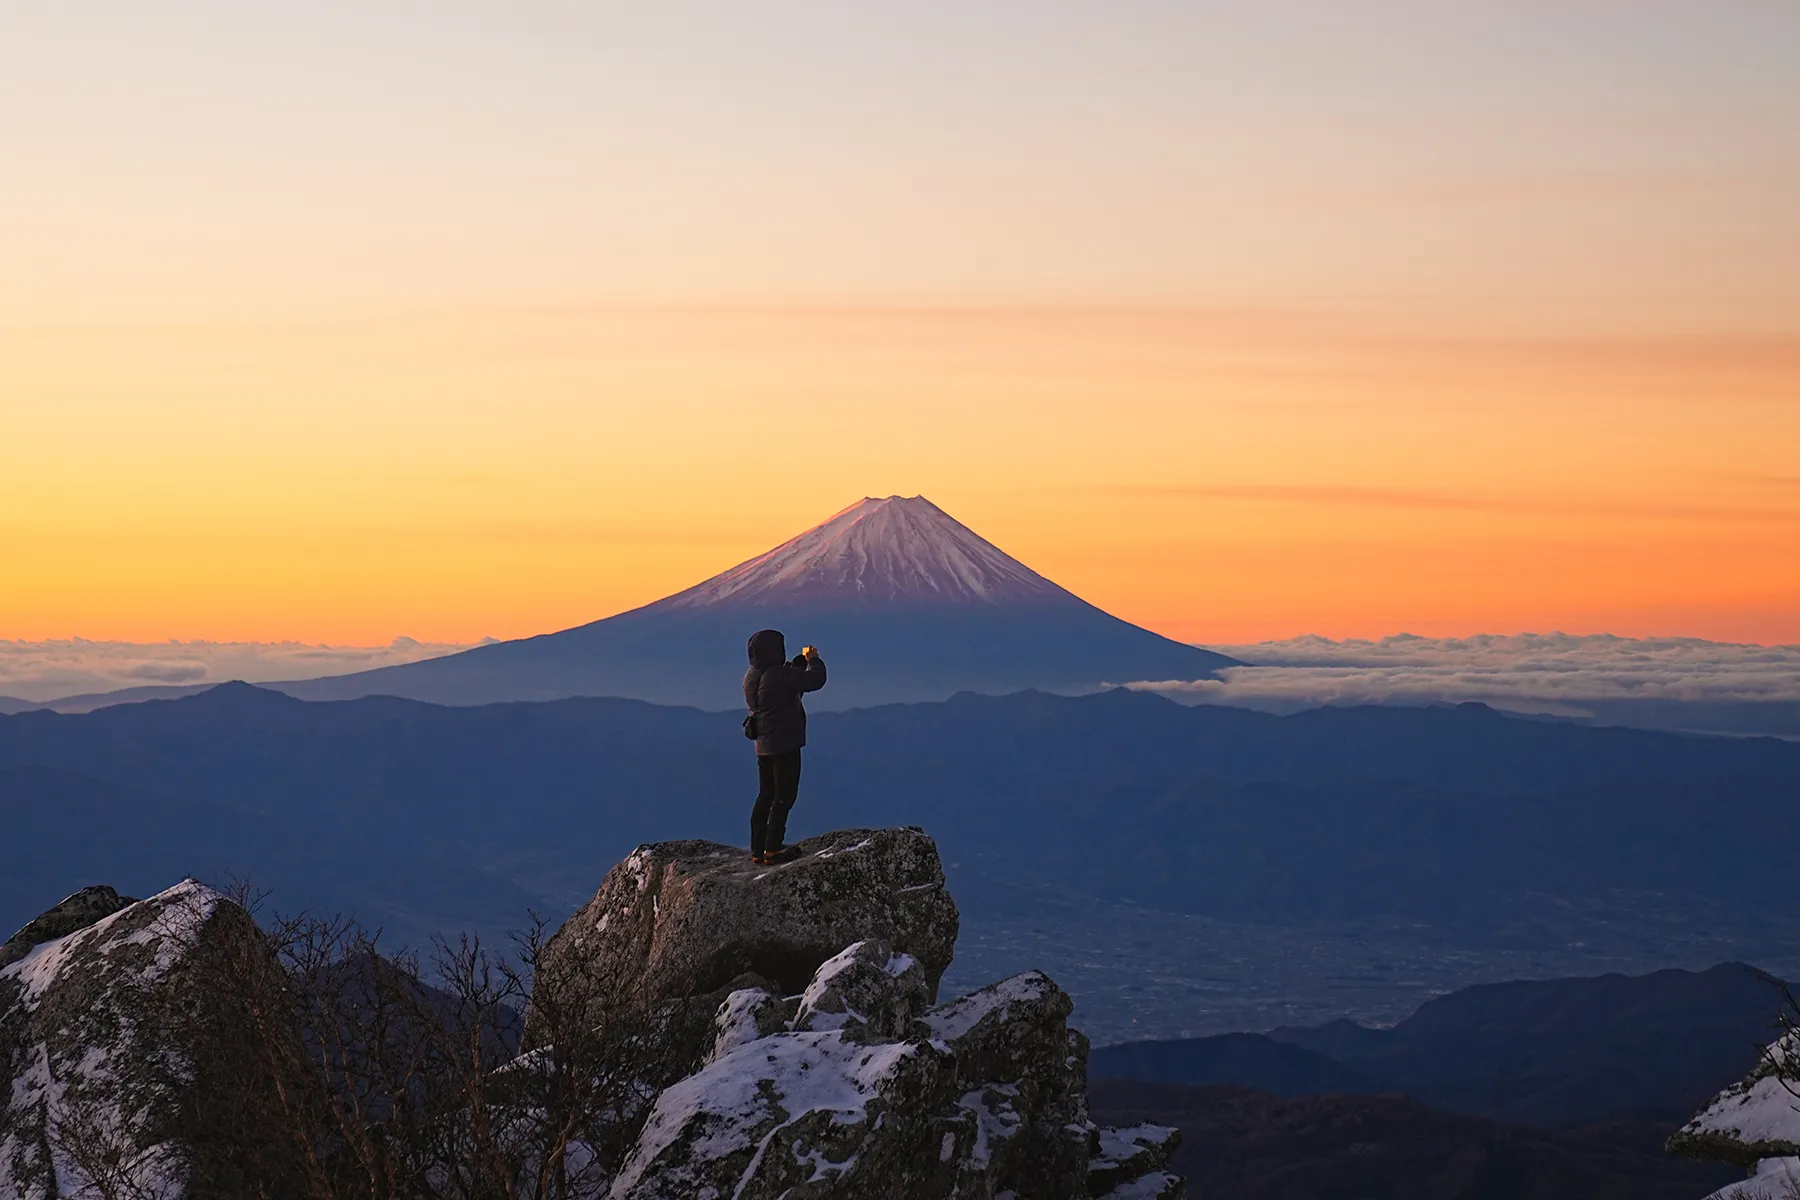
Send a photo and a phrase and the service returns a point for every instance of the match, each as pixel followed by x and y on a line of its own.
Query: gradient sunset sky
pixel 338 321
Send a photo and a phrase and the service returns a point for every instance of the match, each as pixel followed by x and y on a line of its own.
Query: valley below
pixel 1139 973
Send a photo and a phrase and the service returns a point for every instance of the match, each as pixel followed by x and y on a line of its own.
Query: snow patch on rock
pixel 746 1015
pixel 954 1020
pixel 1774 1179
pixel 737 1105
pixel 1159 1185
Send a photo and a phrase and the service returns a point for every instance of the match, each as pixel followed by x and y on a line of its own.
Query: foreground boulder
pixel 825 1069
pixel 1754 1124
pixel 95 1018
pixel 684 919
pixel 984 1097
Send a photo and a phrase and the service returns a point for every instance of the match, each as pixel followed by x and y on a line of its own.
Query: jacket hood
pixel 767 648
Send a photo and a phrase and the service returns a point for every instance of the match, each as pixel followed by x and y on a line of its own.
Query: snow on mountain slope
pixel 899 550
pixel 906 603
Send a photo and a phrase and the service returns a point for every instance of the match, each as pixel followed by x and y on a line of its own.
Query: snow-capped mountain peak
pixel 901 550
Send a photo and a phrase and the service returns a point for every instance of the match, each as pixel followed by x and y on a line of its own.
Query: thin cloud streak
pixel 1430 501
pixel 49 670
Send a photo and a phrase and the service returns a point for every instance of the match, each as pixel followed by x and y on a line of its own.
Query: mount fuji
pixel 904 602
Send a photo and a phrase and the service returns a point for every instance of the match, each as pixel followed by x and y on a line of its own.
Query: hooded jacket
pixel 772 690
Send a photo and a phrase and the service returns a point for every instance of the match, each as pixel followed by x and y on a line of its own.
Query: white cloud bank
pixel 1673 682
pixel 41 671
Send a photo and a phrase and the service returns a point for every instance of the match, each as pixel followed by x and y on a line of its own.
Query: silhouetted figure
pixel 773 687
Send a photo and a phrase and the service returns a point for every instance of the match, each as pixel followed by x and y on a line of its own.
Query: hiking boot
pixel 758 858
pixel 784 855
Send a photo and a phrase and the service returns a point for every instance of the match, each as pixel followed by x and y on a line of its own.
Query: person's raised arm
pixel 813 673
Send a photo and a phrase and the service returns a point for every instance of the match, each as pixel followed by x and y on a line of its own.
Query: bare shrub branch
pixel 318 1066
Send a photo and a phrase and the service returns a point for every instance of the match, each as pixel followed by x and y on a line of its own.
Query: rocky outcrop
pixel 1754 1124
pixel 680 919
pixel 1128 1164
pixel 982 1097
pixel 779 1036
pixel 91 1021
pixel 79 911
pixel 848 1081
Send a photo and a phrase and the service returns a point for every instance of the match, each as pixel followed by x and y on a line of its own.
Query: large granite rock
pixel 827 1071
pixel 1754 1124
pixel 103 1088
pixel 683 919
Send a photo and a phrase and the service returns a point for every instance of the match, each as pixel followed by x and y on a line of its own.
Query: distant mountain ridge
pixel 1557 1052
pixel 905 602
pixel 1529 832
pixel 1245 1145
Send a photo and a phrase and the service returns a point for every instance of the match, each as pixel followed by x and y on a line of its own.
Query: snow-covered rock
pixel 1770 1179
pixel 868 989
pixel 983 1097
pixel 1158 1185
pixel 826 1071
pixel 683 919
pixel 88 1020
pixel 1124 1157
pixel 79 911
pixel 1754 1124
pixel 745 1015
pixel 796 1114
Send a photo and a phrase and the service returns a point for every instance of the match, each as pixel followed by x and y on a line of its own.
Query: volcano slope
pixel 905 602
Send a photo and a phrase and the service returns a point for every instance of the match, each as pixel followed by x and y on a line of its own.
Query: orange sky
pixel 455 320
pixel 1220 477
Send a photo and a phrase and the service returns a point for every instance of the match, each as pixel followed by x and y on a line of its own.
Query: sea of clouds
pixel 1680 683
pixel 50 670
pixel 1670 683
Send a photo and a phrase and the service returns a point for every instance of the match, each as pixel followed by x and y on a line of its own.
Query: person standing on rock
pixel 773 687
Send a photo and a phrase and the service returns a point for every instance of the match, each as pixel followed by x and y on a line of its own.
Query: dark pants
pixel 779 776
